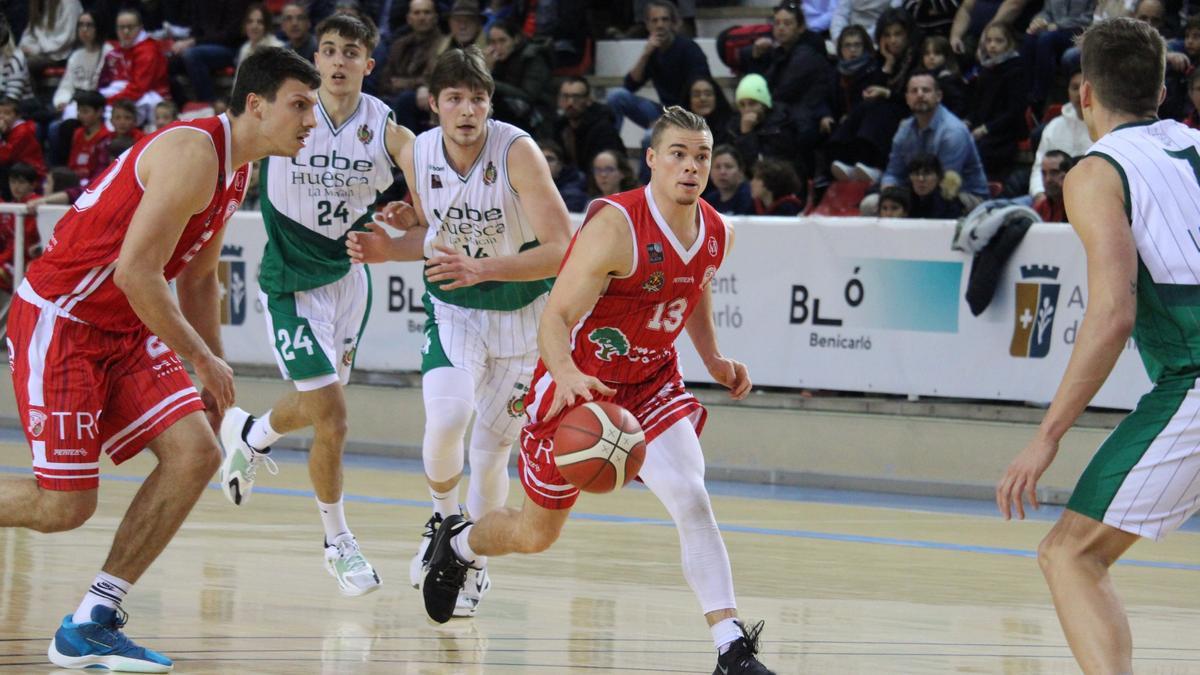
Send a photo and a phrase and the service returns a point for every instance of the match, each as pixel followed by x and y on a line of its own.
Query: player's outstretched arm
pixel 376 245
pixel 602 249
pixel 1095 205
pixel 179 172
pixel 530 177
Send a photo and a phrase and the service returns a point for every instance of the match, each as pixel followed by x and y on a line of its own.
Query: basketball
pixel 599 447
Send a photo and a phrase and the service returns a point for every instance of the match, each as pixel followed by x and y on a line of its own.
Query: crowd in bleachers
pixel 921 108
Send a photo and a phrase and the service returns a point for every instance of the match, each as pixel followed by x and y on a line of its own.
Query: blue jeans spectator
pixel 200 61
pixel 625 103
pixel 1042 52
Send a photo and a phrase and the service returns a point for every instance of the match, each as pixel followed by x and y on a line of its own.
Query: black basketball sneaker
pixel 740 658
pixel 446 572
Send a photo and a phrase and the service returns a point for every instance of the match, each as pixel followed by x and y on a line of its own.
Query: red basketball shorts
pixel 82 391
pixel 657 404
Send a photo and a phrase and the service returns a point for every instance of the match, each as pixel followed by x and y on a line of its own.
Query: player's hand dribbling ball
pixel 599 446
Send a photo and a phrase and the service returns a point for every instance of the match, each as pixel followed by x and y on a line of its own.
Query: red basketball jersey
pixel 629 335
pixel 75 273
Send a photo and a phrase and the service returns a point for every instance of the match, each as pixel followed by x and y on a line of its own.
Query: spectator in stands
pixel 1054 168
pixel 1067 132
pixel 1175 105
pixel 792 61
pixel 497 11
pixel 21 181
pixel 894 202
pixel 818 15
pixel 930 196
pixel 14 74
pixel 856 68
pixel 728 190
pixel 1193 117
pixel 466 25
pixel 297 30
pixel 50 32
pixel 933 129
pixel 84 158
pixel 763 129
pixel 996 115
pixel 932 17
pixel 134 67
pixel 610 174
pixel 165 113
pixel 125 133
pixel 18 138
pixel 865 13
pixel 669 60
pixel 938 58
pixel 83 65
pixel 524 83
pixel 1049 34
pixel 570 181
pixel 975 15
pixel 1153 12
pixel 706 98
pixel 1191 40
pixel 774 189
pixel 583 127
pixel 254 27
pixel 58 179
pixel 411 56
pixel 860 145
pixel 215 37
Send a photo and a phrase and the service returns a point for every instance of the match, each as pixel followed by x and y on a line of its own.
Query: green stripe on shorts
pixel 1124 448
pixel 294 340
pixel 432 354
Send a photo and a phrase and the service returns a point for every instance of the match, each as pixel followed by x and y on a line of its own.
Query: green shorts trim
pixel 433 355
pixel 1125 447
pixel 296 346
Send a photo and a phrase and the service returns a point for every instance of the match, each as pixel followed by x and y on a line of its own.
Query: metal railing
pixel 19 212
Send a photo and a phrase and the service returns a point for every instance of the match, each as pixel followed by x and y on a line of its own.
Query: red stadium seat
pixel 842 198
pixel 54 71
pixel 583 67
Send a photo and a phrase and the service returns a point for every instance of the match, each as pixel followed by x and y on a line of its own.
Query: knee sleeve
pixel 448 394
pixel 488 487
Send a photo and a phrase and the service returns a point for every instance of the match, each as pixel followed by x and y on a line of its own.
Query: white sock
pixel 261 436
pixel 724 633
pixel 462 548
pixel 106 590
pixel 333 517
pixel 445 504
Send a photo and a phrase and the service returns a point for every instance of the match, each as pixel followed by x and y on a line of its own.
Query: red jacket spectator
pixel 7 234
pixel 84 157
pixel 20 144
pixel 129 73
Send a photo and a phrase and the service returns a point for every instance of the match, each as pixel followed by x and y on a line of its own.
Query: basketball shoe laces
pixel 349 552
pixel 255 458
pixel 119 643
pixel 744 648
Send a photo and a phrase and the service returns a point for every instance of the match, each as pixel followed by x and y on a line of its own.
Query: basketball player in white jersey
pixel 1134 200
pixel 492 230
pixel 316 301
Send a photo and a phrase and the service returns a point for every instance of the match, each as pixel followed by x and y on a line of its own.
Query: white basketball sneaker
pixel 241 461
pixel 346 563
pixel 476 585
pixel 419 564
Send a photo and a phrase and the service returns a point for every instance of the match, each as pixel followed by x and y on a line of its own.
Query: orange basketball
pixel 599 447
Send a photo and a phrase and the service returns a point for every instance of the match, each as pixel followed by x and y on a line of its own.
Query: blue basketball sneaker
pixel 99 643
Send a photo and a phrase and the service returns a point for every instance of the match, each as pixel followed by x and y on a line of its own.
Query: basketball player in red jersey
pixel 97 340
pixel 636 275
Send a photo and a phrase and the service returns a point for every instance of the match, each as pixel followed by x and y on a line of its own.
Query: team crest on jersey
pixel 365 134
pixel 709 273
pixel 610 342
pixel 489 174
pixel 712 246
pixel 435 182
pixel 37 423
pixel 1037 298
pixel 239 181
pixel 516 404
pixel 655 283
pixel 655 251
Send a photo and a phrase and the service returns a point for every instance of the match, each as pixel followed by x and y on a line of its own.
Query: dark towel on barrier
pixel 989 263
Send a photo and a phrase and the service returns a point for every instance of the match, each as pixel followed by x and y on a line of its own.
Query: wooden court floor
pixel 846 583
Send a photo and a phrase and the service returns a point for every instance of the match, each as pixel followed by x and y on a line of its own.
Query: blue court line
pixel 744 529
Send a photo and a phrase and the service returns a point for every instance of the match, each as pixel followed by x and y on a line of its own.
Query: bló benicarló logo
pixel 1036 302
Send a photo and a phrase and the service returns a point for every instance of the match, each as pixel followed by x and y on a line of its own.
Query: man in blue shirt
pixel 934 130
pixel 669 60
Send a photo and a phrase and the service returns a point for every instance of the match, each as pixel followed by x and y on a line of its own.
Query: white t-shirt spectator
pixel 82 72
pixel 267 40
pixel 53 42
pixel 1068 133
